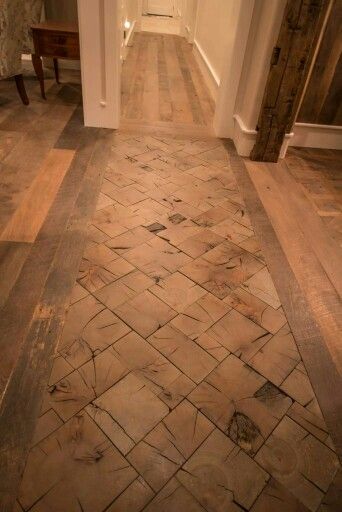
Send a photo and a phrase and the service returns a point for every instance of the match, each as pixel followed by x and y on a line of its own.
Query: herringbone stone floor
pixel 177 384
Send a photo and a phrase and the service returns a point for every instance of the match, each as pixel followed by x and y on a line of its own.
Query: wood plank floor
pixel 162 82
pixel 50 172
pixel 198 366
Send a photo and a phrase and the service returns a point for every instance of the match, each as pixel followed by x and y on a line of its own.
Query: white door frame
pixel 100 40
pixel 101 35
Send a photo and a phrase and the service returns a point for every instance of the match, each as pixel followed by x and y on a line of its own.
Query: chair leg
pixel 19 82
pixel 55 65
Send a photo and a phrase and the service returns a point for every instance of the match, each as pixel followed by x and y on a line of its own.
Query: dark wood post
pixel 290 64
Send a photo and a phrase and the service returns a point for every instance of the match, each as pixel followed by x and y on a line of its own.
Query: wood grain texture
pixel 303 317
pixel 162 83
pixel 34 363
pixel 299 32
pixel 322 102
pixel 12 258
pixel 30 215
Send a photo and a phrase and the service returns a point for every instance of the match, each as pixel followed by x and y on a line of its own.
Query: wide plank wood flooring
pixel 177 382
pixel 196 369
pixel 161 82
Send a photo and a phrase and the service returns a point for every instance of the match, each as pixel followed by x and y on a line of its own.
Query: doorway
pixel 101 49
pixel 160 7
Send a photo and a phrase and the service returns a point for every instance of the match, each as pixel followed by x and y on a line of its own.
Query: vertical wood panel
pixel 322 103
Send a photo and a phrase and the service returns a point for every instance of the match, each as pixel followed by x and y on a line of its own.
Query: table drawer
pixel 47 48
pixel 61 39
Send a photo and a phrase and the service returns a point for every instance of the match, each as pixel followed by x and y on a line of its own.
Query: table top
pixel 56 26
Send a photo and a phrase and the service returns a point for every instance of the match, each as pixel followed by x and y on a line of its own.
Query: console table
pixel 57 40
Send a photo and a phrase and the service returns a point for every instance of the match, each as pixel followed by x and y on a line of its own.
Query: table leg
pixel 38 67
pixel 55 65
pixel 19 82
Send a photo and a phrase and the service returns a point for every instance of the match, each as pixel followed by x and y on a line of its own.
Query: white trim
pixel 317 136
pixel 129 37
pixel 244 138
pixel 101 34
pixel 241 17
pixel 210 76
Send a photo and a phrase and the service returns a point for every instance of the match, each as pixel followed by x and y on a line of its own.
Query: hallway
pixel 177 384
pixel 162 82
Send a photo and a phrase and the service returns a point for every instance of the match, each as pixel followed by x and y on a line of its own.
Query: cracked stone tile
pixel 103 201
pixel 221 476
pixel 128 195
pixel 104 268
pixel 89 329
pixel 177 291
pixel 200 243
pixel 111 428
pixel 124 289
pixel 222 269
pixel 108 221
pixel 256 310
pixel 78 293
pixel 298 385
pixel 128 240
pixel 45 425
pixel 92 276
pixel 241 403
pixel 133 406
pixel 333 498
pixel 145 313
pixel 96 235
pixel 146 363
pixel 214 348
pixel 239 335
pixel 75 468
pixel 157 258
pixel 198 317
pixel 296 459
pixel 238 213
pixel 310 421
pixel 120 180
pixel 201 145
pixel 278 357
pixel 232 231
pixel 174 497
pixel 161 453
pixel 134 498
pixel 275 497
pixel 177 391
pixel 217 156
pixel 261 285
pixel 184 353
pixel 175 235
pixel 204 172
pixel 99 254
pixel 102 371
pixel 68 396
pixel 60 369
pixel 211 217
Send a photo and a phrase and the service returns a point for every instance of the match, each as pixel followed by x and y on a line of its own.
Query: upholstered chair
pixel 16 18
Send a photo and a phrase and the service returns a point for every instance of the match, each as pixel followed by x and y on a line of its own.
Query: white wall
pixel 264 30
pixel 212 33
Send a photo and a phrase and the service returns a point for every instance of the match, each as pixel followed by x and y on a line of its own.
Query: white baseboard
pixel 244 138
pixel 317 136
pixel 210 76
